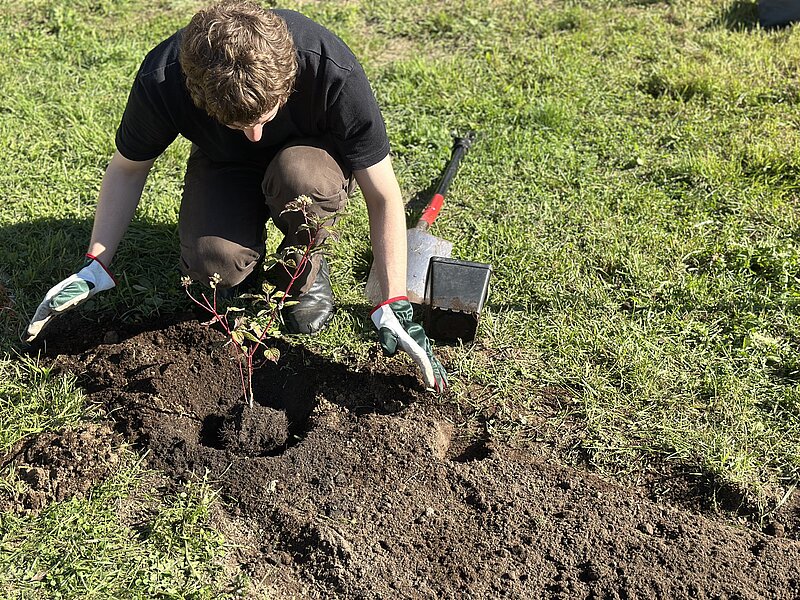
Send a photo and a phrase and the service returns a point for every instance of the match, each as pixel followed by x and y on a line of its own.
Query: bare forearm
pixel 387 226
pixel 388 236
pixel 119 196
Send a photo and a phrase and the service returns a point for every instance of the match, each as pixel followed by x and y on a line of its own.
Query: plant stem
pixel 245 353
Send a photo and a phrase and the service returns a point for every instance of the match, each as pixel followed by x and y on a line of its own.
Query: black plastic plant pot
pixel 455 292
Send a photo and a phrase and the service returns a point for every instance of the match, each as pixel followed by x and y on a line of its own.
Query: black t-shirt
pixel 331 99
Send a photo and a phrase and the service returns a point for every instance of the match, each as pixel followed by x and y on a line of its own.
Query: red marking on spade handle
pixel 460 147
pixel 431 212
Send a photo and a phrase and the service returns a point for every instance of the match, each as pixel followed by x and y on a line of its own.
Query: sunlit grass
pixel 634 186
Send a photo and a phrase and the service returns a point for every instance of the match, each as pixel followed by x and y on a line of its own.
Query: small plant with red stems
pixel 249 329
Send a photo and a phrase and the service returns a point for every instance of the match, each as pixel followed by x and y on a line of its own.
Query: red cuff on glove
pixel 389 301
pixel 105 268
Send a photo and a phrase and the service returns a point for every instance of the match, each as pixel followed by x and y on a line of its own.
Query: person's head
pixel 240 63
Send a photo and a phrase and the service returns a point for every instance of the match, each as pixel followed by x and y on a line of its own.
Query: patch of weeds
pixel 80 548
pixel 774 165
pixel 33 399
pixel 775 267
pixel 570 20
pixel 182 530
pixel 679 86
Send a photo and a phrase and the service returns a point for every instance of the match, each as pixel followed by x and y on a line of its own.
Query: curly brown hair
pixel 239 60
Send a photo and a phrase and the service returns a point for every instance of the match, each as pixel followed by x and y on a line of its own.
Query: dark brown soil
pixel 250 430
pixel 55 466
pixel 344 484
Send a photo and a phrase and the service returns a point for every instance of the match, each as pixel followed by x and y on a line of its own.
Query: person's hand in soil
pixel 393 319
pixel 74 290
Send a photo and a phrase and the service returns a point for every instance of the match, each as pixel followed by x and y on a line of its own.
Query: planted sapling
pixel 249 328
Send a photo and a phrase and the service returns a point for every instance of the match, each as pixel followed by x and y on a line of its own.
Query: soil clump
pixel 251 430
pixel 357 484
pixel 54 466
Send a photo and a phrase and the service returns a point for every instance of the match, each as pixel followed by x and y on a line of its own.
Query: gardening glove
pixel 395 328
pixel 75 289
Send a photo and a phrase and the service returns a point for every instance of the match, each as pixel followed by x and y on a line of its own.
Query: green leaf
pixel 249 336
pixel 272 354
pixel 269 263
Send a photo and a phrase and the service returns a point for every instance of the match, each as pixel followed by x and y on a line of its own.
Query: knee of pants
pixel 304 170
pixel 210 256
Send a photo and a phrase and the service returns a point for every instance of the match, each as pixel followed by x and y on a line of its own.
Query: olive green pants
pixel 225 207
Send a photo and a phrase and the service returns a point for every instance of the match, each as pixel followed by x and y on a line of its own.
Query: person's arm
pixel 393 317
pixel 119 196
pixel 120 193
pixel 387 226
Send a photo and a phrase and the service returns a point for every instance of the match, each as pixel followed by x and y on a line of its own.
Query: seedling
pixel 248 329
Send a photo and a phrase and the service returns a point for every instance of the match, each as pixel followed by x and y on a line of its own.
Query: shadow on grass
pixel 37 254
pixel 699 490
pixel 419 201
pixel 740 15
pixel 414 208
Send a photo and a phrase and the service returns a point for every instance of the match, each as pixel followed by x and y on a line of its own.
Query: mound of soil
pixel 344 484
pixel 250 430
pixel 59 465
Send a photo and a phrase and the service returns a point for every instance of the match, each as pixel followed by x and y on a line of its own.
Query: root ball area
pixel 254 431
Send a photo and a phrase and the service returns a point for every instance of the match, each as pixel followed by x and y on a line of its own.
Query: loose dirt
pixel 346 484
pixel 60 465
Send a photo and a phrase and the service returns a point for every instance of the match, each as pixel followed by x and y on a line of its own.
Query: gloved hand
pixel 75 289
pixel 395 328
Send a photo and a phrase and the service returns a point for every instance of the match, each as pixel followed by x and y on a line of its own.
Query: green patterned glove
pixel 393 319
pixel 75 289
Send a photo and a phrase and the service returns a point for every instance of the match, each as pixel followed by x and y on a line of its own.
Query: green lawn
pixel 635 187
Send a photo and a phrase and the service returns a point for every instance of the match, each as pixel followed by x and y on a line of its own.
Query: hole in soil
pixel 176 387
pixel 252 431
pixel 210 431
pixel 278 420
pixel 292 394
pixel 473 452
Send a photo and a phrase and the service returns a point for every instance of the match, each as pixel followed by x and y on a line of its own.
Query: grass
pixel 83 547
pixel 635 187
pixel 33 400
pixel 79 548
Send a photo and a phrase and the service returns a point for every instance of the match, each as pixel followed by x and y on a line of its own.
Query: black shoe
pixel 314 308
pixel 247 286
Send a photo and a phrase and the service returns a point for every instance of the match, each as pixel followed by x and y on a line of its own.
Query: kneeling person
pixel 276 106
